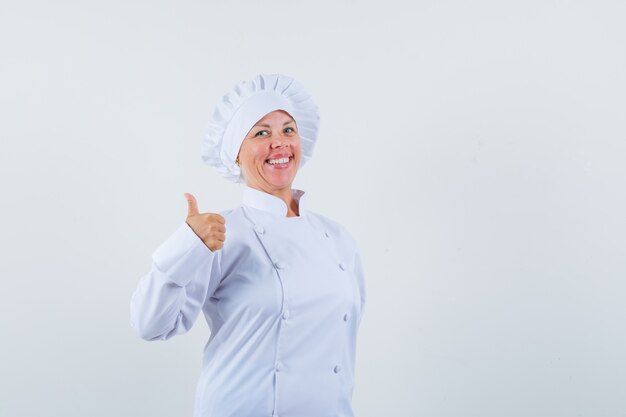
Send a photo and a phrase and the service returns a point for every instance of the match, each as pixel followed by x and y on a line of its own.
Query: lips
pixel 280 155
pixel 279 165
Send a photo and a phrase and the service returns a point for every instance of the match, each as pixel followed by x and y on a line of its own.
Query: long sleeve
pixel 360 277
pixel 169 298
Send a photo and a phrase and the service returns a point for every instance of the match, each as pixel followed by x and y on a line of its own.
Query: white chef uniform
pixel 283 298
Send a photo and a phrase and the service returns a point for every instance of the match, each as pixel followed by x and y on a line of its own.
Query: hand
pixel 209 227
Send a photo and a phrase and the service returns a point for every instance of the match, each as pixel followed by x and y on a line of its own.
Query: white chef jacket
pixel 283 299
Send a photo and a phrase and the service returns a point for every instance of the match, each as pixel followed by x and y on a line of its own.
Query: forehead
pixel 276 116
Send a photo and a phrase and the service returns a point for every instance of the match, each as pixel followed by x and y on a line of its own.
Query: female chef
pixel 281 287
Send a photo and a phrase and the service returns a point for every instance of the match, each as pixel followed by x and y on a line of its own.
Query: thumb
pixel 193 205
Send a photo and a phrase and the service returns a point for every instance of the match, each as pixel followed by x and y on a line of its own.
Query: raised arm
pixel 185 271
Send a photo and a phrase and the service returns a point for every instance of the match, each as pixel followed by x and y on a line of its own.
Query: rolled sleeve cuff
pixel 183 256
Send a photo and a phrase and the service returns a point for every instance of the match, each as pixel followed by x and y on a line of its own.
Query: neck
pixel 286 195
pixel 293 210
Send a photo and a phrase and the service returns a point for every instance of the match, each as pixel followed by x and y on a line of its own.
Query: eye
pixel 261 133
pixel 289 130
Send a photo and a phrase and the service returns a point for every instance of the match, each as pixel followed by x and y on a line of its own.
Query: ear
pixel 238 163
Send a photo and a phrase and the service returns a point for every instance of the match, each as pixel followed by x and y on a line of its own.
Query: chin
pixel 281 180
pixel 281 184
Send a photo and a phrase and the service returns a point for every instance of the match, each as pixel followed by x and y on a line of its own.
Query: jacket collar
pixel 272 204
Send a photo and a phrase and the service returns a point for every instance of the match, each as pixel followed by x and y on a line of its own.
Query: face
pixel 270 154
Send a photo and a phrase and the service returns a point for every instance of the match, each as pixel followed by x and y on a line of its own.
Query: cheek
pixel 256 153
pixel 297 146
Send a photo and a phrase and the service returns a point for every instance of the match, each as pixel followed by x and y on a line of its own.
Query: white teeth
pixel 278 161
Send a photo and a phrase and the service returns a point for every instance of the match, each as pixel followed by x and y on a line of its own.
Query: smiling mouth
pixel 279 163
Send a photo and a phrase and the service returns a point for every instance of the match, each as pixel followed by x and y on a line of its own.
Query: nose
pixel 279 140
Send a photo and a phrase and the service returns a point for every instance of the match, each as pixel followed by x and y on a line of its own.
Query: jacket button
pixel 326 233
pixel 279 265
pixel 346 317
pixel 278 366
pixel 285 314
pixel 259 229
pixel 342 266
pixel 337 369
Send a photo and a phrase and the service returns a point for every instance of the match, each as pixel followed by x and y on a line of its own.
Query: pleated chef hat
pixel 246 104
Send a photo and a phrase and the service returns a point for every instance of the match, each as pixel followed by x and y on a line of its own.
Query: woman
pixel 283 295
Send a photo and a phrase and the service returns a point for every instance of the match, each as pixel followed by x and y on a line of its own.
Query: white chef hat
pixel 246 104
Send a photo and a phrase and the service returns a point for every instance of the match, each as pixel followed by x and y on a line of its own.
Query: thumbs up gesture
pixel 209 227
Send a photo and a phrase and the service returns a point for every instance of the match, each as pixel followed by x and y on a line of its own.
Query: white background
pixel 475 149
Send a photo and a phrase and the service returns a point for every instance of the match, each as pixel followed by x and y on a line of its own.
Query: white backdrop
pixel 476 151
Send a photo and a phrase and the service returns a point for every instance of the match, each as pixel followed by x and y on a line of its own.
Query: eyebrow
pixel 268 126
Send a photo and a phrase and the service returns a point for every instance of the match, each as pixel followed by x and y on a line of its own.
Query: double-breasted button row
pixel 259 229
pixel 342 265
